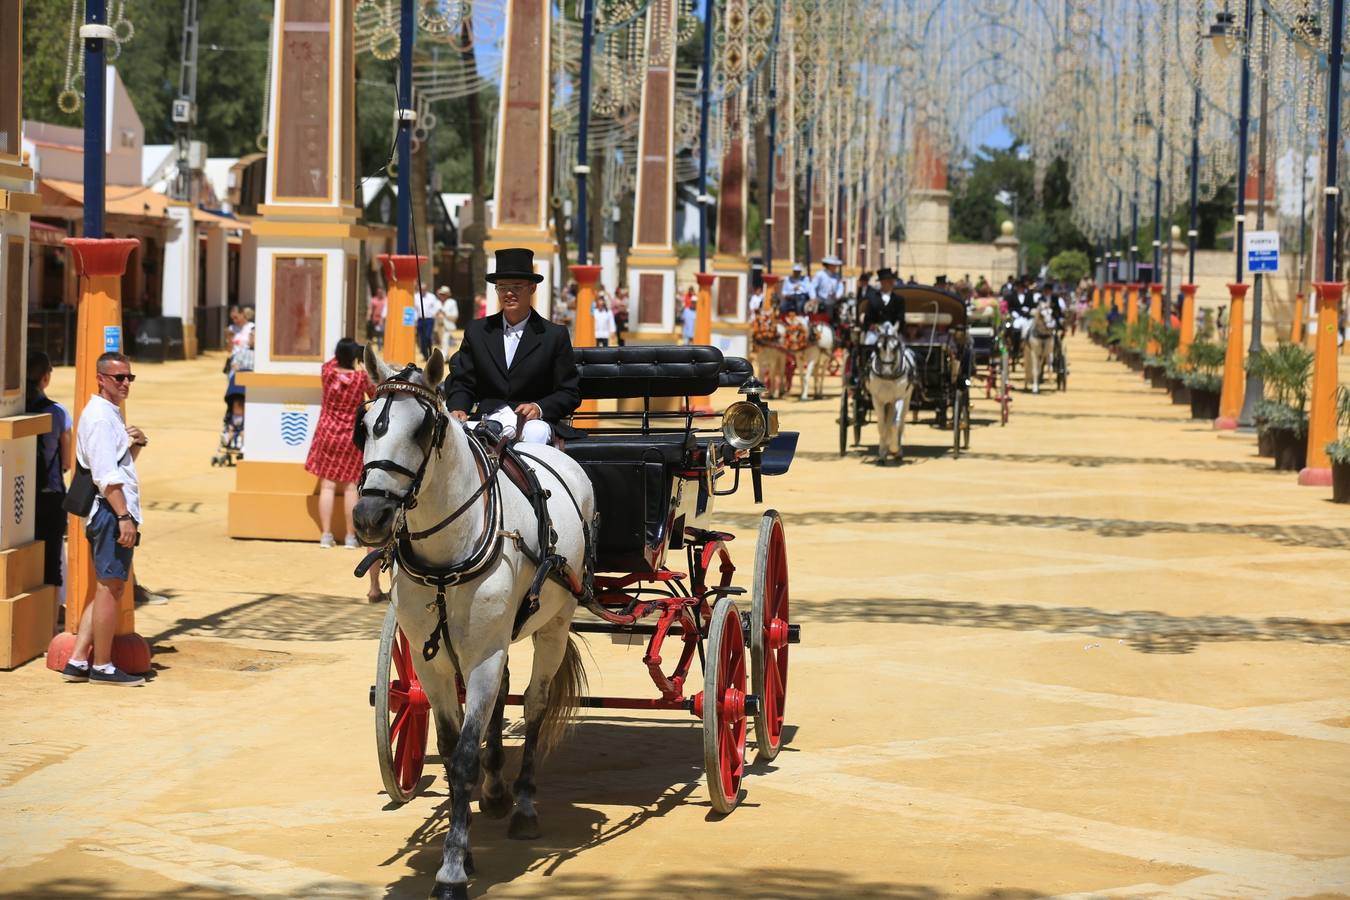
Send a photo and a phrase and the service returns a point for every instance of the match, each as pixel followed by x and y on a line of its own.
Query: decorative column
pixel 99 264
pixel 819 221
pixel 651 259
pixel 217 285
pixel 586 278
pixel 1155 315
pixel 401 314
pixel 520 215
pixel 703 334
pixel 307 284
pixel 1234 381
pixel 1296 327
pixel 1187 318
pixel 729 264
pixel 785 166
pixel 1322 409
pixel 27 605
pixel 179 293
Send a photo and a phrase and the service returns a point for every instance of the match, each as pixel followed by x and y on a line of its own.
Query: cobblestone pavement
pixel 1104 653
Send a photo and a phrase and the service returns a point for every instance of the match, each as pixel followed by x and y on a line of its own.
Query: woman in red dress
pixel 332 455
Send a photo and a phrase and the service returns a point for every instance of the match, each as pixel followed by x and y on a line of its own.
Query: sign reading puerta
pixel 1263 251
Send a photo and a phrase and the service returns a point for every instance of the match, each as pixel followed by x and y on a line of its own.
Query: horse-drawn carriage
pixel 655 476
pixel 938 340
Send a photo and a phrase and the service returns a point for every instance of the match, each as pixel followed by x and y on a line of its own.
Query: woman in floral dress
pixel 333 457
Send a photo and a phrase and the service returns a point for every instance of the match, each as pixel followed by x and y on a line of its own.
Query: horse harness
pixel 490 461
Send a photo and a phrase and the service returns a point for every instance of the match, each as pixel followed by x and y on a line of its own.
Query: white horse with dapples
pixel 815 360
pixel 890 381
pixel 1037 338
pixel 465 540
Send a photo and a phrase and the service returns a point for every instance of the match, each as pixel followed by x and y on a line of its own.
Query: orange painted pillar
pixel 1322 408
pixel 1296 329
pixel 1155 315
pixel 1187 317
pixel 1133 293
pixel 100 264
pixel 586 277
pixel 400 324
pixel 1234 373
pixel 703 319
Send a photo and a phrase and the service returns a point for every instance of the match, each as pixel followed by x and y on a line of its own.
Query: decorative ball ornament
pixel 68 101
pixel 385 43
pixel 1007 228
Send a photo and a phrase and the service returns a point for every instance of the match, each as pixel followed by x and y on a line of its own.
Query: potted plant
pixel 1176 384
pixel 1155 364
pixel 1204 378
pixel 1133 341
pixel 1339 449
pixel 1096 324
pixel 1286 371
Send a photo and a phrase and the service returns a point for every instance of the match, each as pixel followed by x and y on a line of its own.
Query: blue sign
pixel 409 316
pixel 112 338
pixel 1263 251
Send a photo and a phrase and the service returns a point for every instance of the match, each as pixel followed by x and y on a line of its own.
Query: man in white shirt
pixel 428 311
pixel 107 447
pixel 827 287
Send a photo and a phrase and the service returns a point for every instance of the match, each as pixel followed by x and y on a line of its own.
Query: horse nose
pixel 373 519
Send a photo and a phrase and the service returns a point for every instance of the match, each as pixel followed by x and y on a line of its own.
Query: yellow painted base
pixel 21 569
pixel 27 623
pixel 280 502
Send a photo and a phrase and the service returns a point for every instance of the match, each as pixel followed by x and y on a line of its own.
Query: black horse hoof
pixel 523 828
pixel 495 806
pixel 450 892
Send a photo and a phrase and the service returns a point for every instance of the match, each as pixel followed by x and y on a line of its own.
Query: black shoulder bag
pixel 81 494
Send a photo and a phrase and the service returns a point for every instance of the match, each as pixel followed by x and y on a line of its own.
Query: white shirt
pixel 102 447
pixel 430 306
pixel 511 335
pixel 756 301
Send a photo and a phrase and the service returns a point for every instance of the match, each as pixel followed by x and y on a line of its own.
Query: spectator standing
pixel 107 447
pixel 428 309
pixel 333 457
pixel 53 459
pixel 620 310
pixel 241 327
pixel 375 313
pixel 604 322
pixel 689 317
pixel 480 306
pixel 446 318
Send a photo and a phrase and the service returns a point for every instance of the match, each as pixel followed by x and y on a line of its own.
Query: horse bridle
pixel 435 420
pixel 885 370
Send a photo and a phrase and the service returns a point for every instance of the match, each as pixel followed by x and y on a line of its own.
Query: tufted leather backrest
pixel 735 371
pixel 648 370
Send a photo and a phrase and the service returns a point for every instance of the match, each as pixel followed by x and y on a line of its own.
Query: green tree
pixel 1069 266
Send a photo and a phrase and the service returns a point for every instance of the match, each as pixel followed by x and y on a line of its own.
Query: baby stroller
pixel 231 448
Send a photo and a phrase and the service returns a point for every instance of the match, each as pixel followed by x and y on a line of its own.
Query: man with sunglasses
pixel 515 365
pixel 107 447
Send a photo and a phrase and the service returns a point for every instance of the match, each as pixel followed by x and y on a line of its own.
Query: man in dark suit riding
pixel 515 365
pixel 884 305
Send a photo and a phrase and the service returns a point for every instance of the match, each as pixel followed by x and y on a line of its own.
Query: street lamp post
pixel 1255 387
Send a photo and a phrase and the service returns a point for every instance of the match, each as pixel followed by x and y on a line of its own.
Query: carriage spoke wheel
pixel 722 707
pixel 402 715
pixel 958 412
pixel 843 422
pixel 769 635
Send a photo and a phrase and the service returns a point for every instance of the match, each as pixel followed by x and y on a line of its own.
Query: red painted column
pixel 402 313
pixel 1234 372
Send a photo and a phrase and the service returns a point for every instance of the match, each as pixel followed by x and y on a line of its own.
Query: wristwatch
pixel 125 517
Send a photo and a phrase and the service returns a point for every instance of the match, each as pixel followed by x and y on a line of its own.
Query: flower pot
pixel 1136 362
pixel 1290 449
pixel 1340 482
pixel 1157 376
pixel 1265 442
pixel 1204 404
pixel 1181 395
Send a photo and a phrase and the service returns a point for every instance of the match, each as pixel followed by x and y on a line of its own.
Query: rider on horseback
pixel 515 365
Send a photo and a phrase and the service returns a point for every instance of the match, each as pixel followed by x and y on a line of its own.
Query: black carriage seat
pixel 648 370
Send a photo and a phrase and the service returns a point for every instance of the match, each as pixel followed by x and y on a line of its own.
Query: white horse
pixel 1036 341
pixel 890 381
pixel 430 489
pixel 815 360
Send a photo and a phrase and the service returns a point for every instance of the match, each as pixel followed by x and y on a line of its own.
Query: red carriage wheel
pixel 769 635
pixel 722 707
pixel 402 715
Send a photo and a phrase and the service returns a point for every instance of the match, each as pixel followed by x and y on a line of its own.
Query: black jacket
pixel 876 312
pixel 543 371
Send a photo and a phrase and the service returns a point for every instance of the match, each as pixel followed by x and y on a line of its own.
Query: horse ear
pixel 376 368
pixel 435 372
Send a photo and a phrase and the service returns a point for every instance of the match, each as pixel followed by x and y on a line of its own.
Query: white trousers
pixel 537 431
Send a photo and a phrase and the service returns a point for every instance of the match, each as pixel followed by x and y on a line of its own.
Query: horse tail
pixel 564 698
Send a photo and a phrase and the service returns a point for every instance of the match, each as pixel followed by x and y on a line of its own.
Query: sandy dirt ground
pixel 1104 653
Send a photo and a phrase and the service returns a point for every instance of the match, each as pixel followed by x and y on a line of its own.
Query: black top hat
pixel 884 273
pixel 515 262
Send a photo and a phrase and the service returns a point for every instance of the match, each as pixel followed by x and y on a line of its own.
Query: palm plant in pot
pixel 1096 324
pixel 1204 378
pixel 1339 449
pixel 1282 415
pixel 1133 343
pixel 1155 364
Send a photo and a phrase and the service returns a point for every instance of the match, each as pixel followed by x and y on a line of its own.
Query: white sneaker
pixel 351 543
pixel 325 540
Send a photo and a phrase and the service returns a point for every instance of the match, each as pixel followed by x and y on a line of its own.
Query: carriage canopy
pixel 926 305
